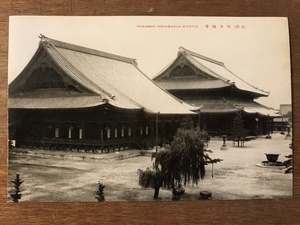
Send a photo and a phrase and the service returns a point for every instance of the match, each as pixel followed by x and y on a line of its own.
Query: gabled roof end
pixel 86 50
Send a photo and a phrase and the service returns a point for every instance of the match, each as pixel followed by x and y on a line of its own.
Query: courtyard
pixel 64 176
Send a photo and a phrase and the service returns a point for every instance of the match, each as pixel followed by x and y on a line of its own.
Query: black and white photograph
pixel 149 108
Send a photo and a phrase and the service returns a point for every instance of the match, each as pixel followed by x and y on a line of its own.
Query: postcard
pixel 140 108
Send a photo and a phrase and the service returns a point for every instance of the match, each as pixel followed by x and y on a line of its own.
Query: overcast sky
pixel 256 49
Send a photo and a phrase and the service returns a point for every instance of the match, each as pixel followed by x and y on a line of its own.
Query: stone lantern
pixel 288 135
pixel 224 147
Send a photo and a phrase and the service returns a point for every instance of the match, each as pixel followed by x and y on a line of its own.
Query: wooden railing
pixel 81 144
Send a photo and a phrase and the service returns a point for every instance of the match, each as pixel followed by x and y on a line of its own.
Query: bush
pixel 100 192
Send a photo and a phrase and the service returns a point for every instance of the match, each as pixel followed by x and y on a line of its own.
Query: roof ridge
pixel 168 93
pixel 220 64
pixel 201 56
pixel 210 70
pixel 70 68
pixel 66 45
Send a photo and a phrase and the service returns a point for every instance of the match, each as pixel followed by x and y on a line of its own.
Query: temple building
pixel 218 92
pixel 70 96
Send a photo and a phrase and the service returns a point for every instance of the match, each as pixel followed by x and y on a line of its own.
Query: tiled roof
pixel 223 105
pixel 59 99
pixel 213 68
pixel 54 102
pixel 219 70
pixel 114 78
pixel 262 111
pixel 191 84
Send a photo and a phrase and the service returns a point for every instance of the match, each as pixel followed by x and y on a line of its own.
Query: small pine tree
pixel 16 195
pixel 100 192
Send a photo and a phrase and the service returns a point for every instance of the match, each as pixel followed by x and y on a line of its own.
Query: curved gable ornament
pixel 182 71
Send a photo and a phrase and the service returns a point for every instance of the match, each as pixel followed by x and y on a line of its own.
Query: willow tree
pixel 181 163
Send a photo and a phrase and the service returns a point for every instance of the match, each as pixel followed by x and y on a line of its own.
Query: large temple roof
pixel 107 79
pixel 210 74
pixel 211 85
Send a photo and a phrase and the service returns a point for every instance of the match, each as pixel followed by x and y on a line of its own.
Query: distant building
pixel 70 96
pixel 282 123
pixel 285 108
pixel 209 84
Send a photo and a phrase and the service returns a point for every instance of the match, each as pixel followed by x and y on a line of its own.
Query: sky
pixel 254 48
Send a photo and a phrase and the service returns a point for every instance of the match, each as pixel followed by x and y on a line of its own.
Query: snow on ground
pixel 70 176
